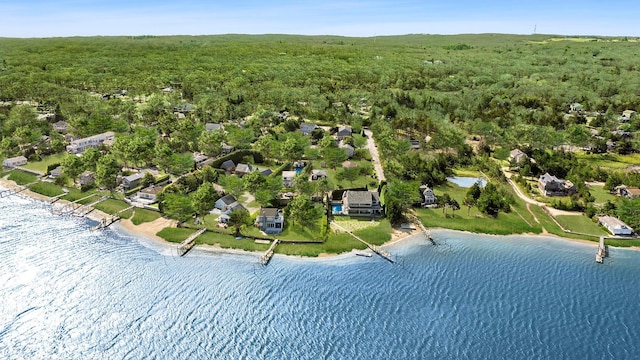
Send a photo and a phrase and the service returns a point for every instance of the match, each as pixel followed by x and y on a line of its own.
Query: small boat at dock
pixel 365 254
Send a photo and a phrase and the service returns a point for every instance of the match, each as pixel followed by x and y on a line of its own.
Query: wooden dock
pixel 426 231
pixel 376 249
pixel 602 251
pixel 71 207
pixel 53 199
pixel 106 222
pixel 84 210
pixel 266 257
pixel 190 242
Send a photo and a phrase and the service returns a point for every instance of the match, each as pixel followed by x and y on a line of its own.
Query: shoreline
pixel 147 232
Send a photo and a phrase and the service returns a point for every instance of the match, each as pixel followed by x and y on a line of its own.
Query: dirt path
pixel 375 157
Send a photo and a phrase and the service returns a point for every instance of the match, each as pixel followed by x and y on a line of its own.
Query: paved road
pixel 375 157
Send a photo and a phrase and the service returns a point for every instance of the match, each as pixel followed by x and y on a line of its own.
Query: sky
pixel 39 18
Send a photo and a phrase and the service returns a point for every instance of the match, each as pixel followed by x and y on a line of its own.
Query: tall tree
pixel 399 197
pixel 107 171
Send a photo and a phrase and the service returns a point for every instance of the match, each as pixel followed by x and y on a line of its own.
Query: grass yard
pixel 46 188
pixel 42 165
pixel 175 235
pixel 21 177
pixel 601 195
pixel 112 206
pixel 474 221
pixel 611 161
pixel 553 228
pixel 230 242
pixel 75 194
pixel 581 224
pixel 143 215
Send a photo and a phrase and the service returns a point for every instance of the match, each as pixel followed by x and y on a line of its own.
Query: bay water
pixel 70 293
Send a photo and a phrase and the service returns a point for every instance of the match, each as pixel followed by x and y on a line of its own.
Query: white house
pixel 149 194
pixel 428 197
pixel 80 145
pixel 14 162
pixel 318 174
pixel 615 226
pixel 226 203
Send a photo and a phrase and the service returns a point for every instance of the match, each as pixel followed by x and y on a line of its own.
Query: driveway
pixel 375 157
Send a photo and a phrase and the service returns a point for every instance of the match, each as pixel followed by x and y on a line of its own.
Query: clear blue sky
pixel 39 18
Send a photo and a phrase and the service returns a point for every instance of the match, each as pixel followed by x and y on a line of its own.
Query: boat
pixel 365 254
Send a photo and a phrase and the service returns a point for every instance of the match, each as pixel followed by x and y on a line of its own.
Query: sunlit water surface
pixel 69 293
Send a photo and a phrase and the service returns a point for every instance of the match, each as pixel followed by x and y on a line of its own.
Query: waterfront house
pixel 615 226
pixel 343 131
pixel 550 185
pixel 228 166
pixel 287 178
pixel 149 194
pixel 87 178
pixel 429 199
pixel 131 181
pixel 270 220
pixel 243 169
pixel 517 156
pixel 80 145
pixel 361 203
pixel 55 173
pixel 14 162
pixel 318 174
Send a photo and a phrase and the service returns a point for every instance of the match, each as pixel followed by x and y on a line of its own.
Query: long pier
pixel 602 251
pixel 426 231
pixel 376 249
pixel 53 199
pixel 190 242
pixel 266 257
pixel 71 207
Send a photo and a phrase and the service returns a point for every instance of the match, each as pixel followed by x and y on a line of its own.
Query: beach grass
pixel 46 189
pixel 143 215
pixel 21 177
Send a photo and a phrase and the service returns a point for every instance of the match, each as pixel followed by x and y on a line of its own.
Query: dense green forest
pixel 466 100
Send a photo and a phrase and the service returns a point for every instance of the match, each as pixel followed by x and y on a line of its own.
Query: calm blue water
pixel 467 182
pixel 68 293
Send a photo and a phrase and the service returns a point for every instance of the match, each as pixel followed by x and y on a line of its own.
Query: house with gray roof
pixel 243 169
pixel 228 166
pixel 14 162
pixel 550 185
pixel 307 128
pixel 361 203
pixel 131 181
pixel 318 174
pixel 343 131
pixel 213 127
pixel 270 220
pixel 615 225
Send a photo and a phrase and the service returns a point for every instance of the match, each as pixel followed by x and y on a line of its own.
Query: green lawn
pixel 21 177
pixel 601 195
pixel 611 161
pixel 46 188
pixel 553 228
pixel 360 182
pixel 581 224
pixel 42 165
pixel 143 215
pixel 175 235
pixel 75 194
pixel 112 206
pixel 474 221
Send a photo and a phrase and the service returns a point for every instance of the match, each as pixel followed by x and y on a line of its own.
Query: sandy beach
pixel 150 229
